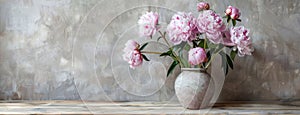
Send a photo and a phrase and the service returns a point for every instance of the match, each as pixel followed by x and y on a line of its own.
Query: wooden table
pixel 88 107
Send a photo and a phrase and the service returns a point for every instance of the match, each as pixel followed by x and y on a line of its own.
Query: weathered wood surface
pixel 86 107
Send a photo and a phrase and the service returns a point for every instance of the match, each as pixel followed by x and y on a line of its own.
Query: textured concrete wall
pixel 70 49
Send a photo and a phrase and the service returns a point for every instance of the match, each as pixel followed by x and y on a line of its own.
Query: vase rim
pixel 192 69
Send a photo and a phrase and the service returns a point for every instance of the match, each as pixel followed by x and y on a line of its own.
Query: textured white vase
pixel 191 87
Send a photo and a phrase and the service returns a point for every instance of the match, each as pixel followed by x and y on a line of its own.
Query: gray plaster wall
pixel 71 49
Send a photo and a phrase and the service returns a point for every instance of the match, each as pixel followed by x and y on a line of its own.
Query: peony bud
pixel 203 6
pixel 233 12
pixel 197 56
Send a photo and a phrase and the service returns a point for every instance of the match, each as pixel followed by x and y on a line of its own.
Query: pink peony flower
pixel 182 28
pixel 227 38
pixel 233 12
pixel 240 37
pixel 131 45
pixel 132 55
pixel 148 24
pixel 202 6
pixel 197 56
pixel 212 25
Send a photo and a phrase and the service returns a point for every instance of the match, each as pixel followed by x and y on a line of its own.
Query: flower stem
pixel 205 42
pixel 150 52
pixel 201 65
pixel 212 58
pixel 163 36
pixel 177 58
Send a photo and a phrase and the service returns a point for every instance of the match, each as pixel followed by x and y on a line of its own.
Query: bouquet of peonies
pixel 203 38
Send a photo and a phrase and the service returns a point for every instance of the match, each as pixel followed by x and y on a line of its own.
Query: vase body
pixel 194 88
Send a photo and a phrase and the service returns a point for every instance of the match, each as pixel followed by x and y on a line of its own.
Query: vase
pixel 194 88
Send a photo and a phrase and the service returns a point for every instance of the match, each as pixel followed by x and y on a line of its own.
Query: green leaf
pixel 173 57
pixel 205 46
pixel 233 54
pixel 229 61
pixel 168 53
pixel 212 45
pixel 179 46
pixel 194 43
pixel 202 43
pixel 229 47
pixel 187 47
pixel 183 59
pixel 233 22
pixel 224 63
pixel 239 20
pixel 212 50
pixel 185 62
pixel 228 19
pixel 208 56
pixel 143 46
pixel 226 69
pixel 225 16
pixel 220 47
pixel 159 38
pixel 145 58
pixel 172 67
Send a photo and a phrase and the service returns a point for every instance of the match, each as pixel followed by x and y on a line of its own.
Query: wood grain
pixel 90 107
